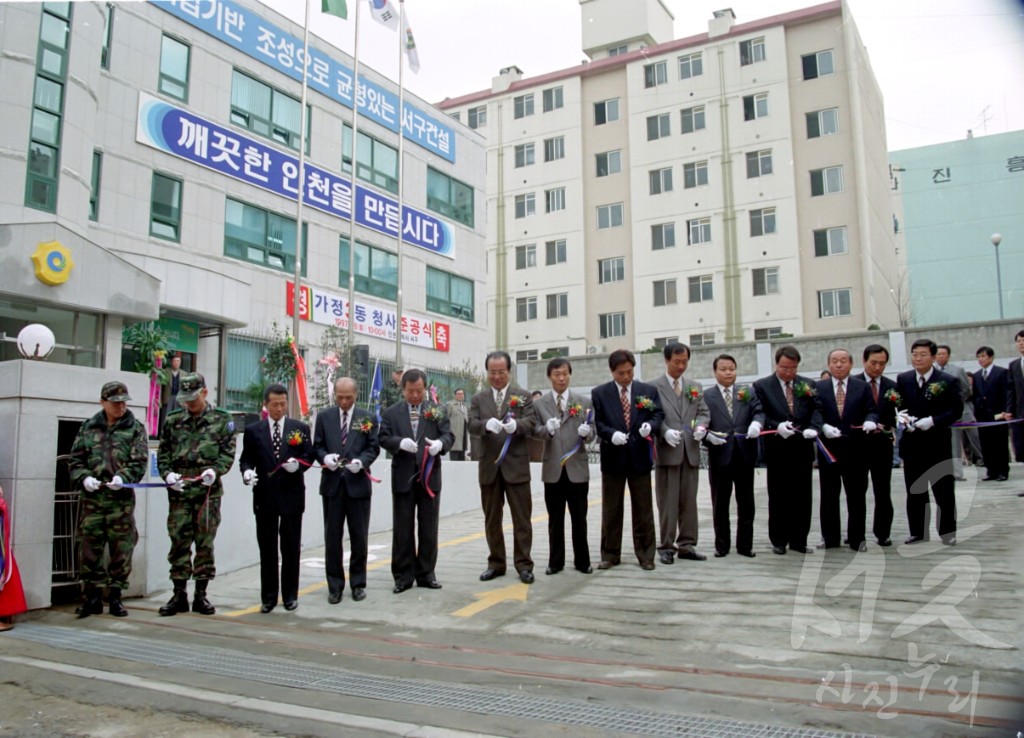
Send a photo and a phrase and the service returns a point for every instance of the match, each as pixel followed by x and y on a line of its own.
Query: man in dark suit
pixel 346 444
pixel 562 419
pixel 1015 399
pixel 628 418
pixel 790 404
pixel 878 444
pixel 847 413
pixel 991 397
pixel 930 404
pixel 731 460
pixel 500 413
pixel 276 453
pixel 415 430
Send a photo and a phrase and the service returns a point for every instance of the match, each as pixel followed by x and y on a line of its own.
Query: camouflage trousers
pixel 192 520
pixel 107 520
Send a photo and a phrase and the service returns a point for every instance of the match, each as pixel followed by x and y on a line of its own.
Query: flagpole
pixel 352 210
pixel 297 286
pixel 401 180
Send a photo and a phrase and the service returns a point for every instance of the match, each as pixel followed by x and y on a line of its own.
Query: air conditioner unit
pixel 591 349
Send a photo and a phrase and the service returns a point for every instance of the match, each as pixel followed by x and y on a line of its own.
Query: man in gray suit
pixel 458 418
pixel 503 412
pixel 565 420
pixel 678 457
pixel 961 436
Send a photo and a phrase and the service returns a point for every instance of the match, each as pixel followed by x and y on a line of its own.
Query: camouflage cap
pixel 190 387
pixel 115 392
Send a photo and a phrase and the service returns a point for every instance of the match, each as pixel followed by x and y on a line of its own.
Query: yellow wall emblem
pixel 53 263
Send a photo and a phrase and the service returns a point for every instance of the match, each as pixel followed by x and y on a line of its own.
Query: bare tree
pixel 900 294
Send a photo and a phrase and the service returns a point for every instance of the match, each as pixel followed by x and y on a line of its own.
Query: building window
pixel 552 99
pixel 94 185
pixel 698 231
pixel 755 106
pixel 526 309
pixel 261 237
pixel 759 163
pixel 449 294
pixel 698 340
pixel 48 107
pixel 270 113
pixel 834 303
pixel 558 305
pixel 477 117
pixel 175 59
pixel 79 335
pixel 554 148
pixel 609 216
pixel 691 65
pixel 456 115
pixel 606 111
pixel 609 162
pixel 664 292
pixel 655 74
pixel 108 31
pixel 555 351
pixel 658 127
pixel 377 161
pixel 823 123
pixel 826 181
pixel 524 155
pixel 762 222
pixel 663 236
pixel 818 64
pixel 449 197
pixel 612 324
pixel 527 355
pixel 695 174
pixel 766 281
pixel 165 208
pixel 660 343
pixel 526 256
pixel 555 252
pixel 376 270
pixel 522 106
pixel 692 119
pixel 660 180
pixel 611 270
pixel 767 334
pixel 751 51
pixel 701 288
pixel 526 205
pixel 618 50
pixel 830 241
pixel 554 200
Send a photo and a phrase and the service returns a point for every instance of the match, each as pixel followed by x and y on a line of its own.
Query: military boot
pixel 179 599
pixel 200 604
pixel 116 608
pixel 92 603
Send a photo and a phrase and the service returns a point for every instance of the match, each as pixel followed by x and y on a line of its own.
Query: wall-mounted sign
pixel 182 335
pixel 53 263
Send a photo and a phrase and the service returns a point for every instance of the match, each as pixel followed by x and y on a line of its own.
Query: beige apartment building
pixel 732 185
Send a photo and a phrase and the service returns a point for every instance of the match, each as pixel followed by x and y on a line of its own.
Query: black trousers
pixel 1017 431
pixel 557 497
pixel 995 449
pixel 848 473
pixel 273 529
pixel 790 490
pixel 414 556
pixel 337 509
pixel 641 505
pixel 878 452
pixel 920 474
pixel 740 475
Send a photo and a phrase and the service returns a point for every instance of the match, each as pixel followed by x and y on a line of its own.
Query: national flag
pixel 410 47
pixel 335 7
pixel 376 387
pixel 383 11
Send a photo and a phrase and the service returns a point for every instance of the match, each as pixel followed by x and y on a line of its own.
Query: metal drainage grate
pixel 291 673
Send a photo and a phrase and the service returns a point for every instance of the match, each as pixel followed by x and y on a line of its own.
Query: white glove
pixel 753 430
pixel 174 482
pixel 553 425
pixel 510 426
pixel 494 425
pixel 249 477
pixel 291 466
pixel 355 466
pixel 830 431
pixel 434 448
pixel 91 484
pixel 208 477
pixel 869 426
pixel 331 461
pixel 673 437
pixel 810 434
pixel 925 423
pixel 716 440
pixel 583 431
pixel 699 432
pixel 407 444
pixel 645 430
pixel 619 438
pixel 116 482
pixel 786 429
pixel 903 418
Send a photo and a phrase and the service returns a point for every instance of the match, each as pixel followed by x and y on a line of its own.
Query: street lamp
pixel 997 238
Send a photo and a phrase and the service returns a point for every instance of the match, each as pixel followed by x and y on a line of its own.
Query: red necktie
pixel 624 399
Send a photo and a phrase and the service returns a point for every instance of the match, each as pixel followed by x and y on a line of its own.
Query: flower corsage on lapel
pixel 894 397
pixel 693 392
pixel 934 389
pixel 515 402
pixel 434 412
pixel 365 425
pixel 643 402
pixel 295 438
pixel 743 394
pixel 575 410
pixel 803 389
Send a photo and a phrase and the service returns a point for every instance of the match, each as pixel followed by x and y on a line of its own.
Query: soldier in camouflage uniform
pixel 197 448
pixel 110 451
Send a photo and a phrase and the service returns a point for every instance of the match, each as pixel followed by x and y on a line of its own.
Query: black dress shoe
pixel 989 479
pixel 359 593
pixel 585 570
pixel 551 570
pixel 912 539
pixel 1002 478
pixel 490 574
pixel 720 554
pixel 428 583
pixel 265 608
pixel 884 541
pixel 647 565
pixel 666 558
pixel 526 576
pixel 609 564
pixel 291 605
pixel 780 550
pixel 748 554
pixel 861 547
pixel 693 555
pixel 802 549
pixel 949 539
pixel 333 598
pixel 399 588
pixel 1020 494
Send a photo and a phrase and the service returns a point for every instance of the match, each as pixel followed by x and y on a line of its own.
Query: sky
pixel 944 66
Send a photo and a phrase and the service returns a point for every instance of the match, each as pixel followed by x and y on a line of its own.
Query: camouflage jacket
pixel 188 445
pixel 102 450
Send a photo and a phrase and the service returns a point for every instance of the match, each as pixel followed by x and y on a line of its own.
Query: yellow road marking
pixel 516 592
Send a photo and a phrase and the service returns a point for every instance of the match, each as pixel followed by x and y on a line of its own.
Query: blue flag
pixel 376 387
